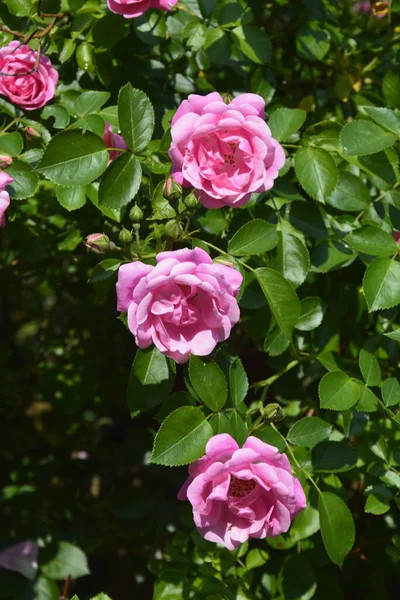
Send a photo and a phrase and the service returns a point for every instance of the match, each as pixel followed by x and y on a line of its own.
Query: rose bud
pixel 99 243
pixel 172 191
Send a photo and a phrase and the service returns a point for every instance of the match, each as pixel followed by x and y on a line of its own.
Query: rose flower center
pixel 239 488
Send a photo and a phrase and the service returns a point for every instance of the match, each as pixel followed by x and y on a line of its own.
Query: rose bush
pixel 184 305
pixel 26 78
pixel 237 494
pixel 225 151
pixel 227 174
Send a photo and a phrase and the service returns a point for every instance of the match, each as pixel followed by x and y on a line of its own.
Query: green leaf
pixel 391 392
pixel 101 597
pixel 239 429
pixel 85 57
pixel 391 88
pixel 60 114
pixel 136 118
pixel 104 270
pixel 385 117
pixel 316 171
pixel 369 368
pixel 151 380
pixel 90 102
pixel 311 315
pixel 238 382
pixel 372 240
pixel 330 255
pixel 337 527
pixel 381 284
pixel 394 335
pixel 309 432
pixel 254 43
pixel 337 391
pixel 72 158
pixel 220 424
pixel 68 560
pixel 350 193
pixel 304 525
pixel 11 143
pixel 367 402
pixel 363 137
pixel 292 260
pixel 71 198
pixel 378 500
pixel 217 46
pixel 20 8
pixel 70 241
pixel 255 237
pixel 284 122
pixel 208 382
pixel 182 437
pixel 256 558
pixel 93 123
pixel 45 589
pixel 297 579
pixel 121 181
pixel 312 41
pixel 271 436
pixel 25 181
pixel 276 342
pixel 333 457
pixel 281 297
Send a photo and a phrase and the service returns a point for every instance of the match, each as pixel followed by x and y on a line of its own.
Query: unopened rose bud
pixel 135 214
pixel 172 191
pixel 227 98
pixel 191 201
pixel 173 229
pixel 396 236
pixel 273 412
pixel 31 133
pixel 99 243
pixel 125 236
pixel 5 161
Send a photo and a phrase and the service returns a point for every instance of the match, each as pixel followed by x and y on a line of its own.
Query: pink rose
pixel 366 7
pixel 185 305
pixel 28 83
pixel 113 140
pixel 237 494
pixel 225 151
pixel 22 558
pixel 4 196
pixel 135 8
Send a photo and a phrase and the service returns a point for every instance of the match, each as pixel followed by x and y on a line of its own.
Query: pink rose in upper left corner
pixel 241 493
pixel 184 305
pixel 135 8
pixel 29 83
pixel 113 140
pixel 22 558
pixel 4 196
pixel 224 151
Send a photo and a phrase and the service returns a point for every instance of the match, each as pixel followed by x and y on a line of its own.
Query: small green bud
pixel 125 236
pixel 273 412
pixel 173 229
pixel 99 243
pixel 136 214
pixel 172 191
pixel 191 201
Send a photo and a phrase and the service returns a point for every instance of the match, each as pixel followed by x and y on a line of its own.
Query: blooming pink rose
pixel 185 305
pixel 28 83
pixel 135 8
pixel 4 196
pixel 22 558
pixel 237 494
pixel 225 151
pixel 113 140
